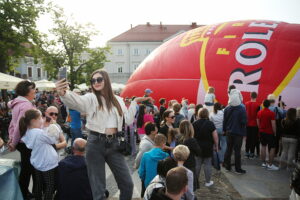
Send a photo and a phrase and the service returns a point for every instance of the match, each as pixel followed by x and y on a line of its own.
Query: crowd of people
pixel 170 142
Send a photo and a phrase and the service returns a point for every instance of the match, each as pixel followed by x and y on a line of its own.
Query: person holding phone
pixel 105 115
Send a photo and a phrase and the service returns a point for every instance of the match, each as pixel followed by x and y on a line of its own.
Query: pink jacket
pixel 19 106
pixel 147 118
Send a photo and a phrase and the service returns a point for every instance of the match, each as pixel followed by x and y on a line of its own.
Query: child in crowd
pixel 210 96
pixel 147 170
pixel 171 140
pixel 43 156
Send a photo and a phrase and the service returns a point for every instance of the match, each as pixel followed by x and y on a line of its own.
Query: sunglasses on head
pixel 52 113
pixel 98 80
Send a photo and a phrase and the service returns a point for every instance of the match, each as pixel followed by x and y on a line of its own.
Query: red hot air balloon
pixel 254 55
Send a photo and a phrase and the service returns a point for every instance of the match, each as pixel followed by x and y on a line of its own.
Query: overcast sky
pixel 113 17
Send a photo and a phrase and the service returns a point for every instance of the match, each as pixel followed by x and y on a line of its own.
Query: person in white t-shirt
pixel 43 157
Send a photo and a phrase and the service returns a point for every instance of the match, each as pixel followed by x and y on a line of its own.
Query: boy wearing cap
pixel 148 103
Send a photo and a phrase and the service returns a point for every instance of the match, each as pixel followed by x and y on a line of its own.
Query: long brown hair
pixel 107 93
pixel 25 120
pixel 291 117
pixel 186 130
pixel 140 118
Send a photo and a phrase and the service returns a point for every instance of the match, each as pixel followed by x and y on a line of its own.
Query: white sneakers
pixel 209 184
pixel 272 167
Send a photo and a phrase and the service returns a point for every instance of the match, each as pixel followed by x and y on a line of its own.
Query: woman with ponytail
pixel 43 156
pixel 106 114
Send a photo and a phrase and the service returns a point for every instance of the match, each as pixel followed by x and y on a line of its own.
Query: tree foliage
pixel 71 41
pixel 18 33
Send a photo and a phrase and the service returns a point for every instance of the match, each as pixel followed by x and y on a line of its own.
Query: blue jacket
pixel 148 166
pixel 235 120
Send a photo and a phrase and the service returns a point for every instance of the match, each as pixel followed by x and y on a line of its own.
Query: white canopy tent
pixel 8 82
pixel 44 85
pixel 82 87
pixel 117 86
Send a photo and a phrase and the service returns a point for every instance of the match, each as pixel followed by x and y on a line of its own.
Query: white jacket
pixel 96 119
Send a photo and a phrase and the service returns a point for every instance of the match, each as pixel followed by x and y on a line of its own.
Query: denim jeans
pixel 99 151
pixel 223 144
pixel 76 133
pixel 207 168
pixel 234 142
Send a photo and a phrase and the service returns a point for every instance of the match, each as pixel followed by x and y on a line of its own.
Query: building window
pixel 120 69
pixel 39 72
pixel 136 52
pixel 119 52
pixel 29 73
pixel 148 51
pixel 135 66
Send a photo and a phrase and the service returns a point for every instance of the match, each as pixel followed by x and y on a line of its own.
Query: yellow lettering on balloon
pixel 222 51
pixel 195 35
pixel 230 36
pixel 220 28
pixel 238 24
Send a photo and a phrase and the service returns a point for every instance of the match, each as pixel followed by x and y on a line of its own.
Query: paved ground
pixel 257 183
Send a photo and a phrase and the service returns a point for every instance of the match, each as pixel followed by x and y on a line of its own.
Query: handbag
pixel 124 146
pixel 216 161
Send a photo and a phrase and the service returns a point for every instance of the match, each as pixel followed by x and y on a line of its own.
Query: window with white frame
pixel 120 69
pixel 148 51
pixel 136 52
pixel 29 72
pixel 120 52
pixel 135 66
pixel 39 72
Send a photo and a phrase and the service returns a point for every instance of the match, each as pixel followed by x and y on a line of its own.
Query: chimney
pixel 130 26
pixel 194 25
pixel 148 23
pixel 160 25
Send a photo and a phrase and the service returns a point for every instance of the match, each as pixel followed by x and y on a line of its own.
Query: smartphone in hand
pixel 62 73
pixel 279 98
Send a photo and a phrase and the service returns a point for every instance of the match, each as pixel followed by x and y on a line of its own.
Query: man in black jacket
pixel 234 126
pixel 73 182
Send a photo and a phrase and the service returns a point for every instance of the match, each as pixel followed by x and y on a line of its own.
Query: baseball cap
pixel 148 90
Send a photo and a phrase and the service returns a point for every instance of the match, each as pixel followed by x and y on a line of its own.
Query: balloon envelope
pixel 254 55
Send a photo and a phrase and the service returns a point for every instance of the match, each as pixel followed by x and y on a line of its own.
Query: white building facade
pixel 125 57
pixel 130 48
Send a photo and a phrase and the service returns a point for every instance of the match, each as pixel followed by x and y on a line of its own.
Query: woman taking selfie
pixel 105 114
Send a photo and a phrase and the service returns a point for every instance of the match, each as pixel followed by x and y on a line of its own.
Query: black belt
pixel 103 135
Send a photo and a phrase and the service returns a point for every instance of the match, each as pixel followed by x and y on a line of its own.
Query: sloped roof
pixel 151 33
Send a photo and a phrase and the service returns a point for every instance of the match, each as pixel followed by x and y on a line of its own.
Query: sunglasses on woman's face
pixel 52 114
pixel 172 117
pixel 96 80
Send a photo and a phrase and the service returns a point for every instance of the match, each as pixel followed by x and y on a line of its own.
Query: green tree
pixel 18 33
pixel 71 40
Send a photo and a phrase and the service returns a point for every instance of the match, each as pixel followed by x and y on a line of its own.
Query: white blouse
pixel 98 120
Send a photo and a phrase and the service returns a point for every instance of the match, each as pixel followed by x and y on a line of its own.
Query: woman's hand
pixel 62 86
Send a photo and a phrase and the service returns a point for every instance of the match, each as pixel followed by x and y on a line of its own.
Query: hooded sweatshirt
pixel 148 167
pixel 73 181
pixel 19 106
pixel 235 97
pixel 235 120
